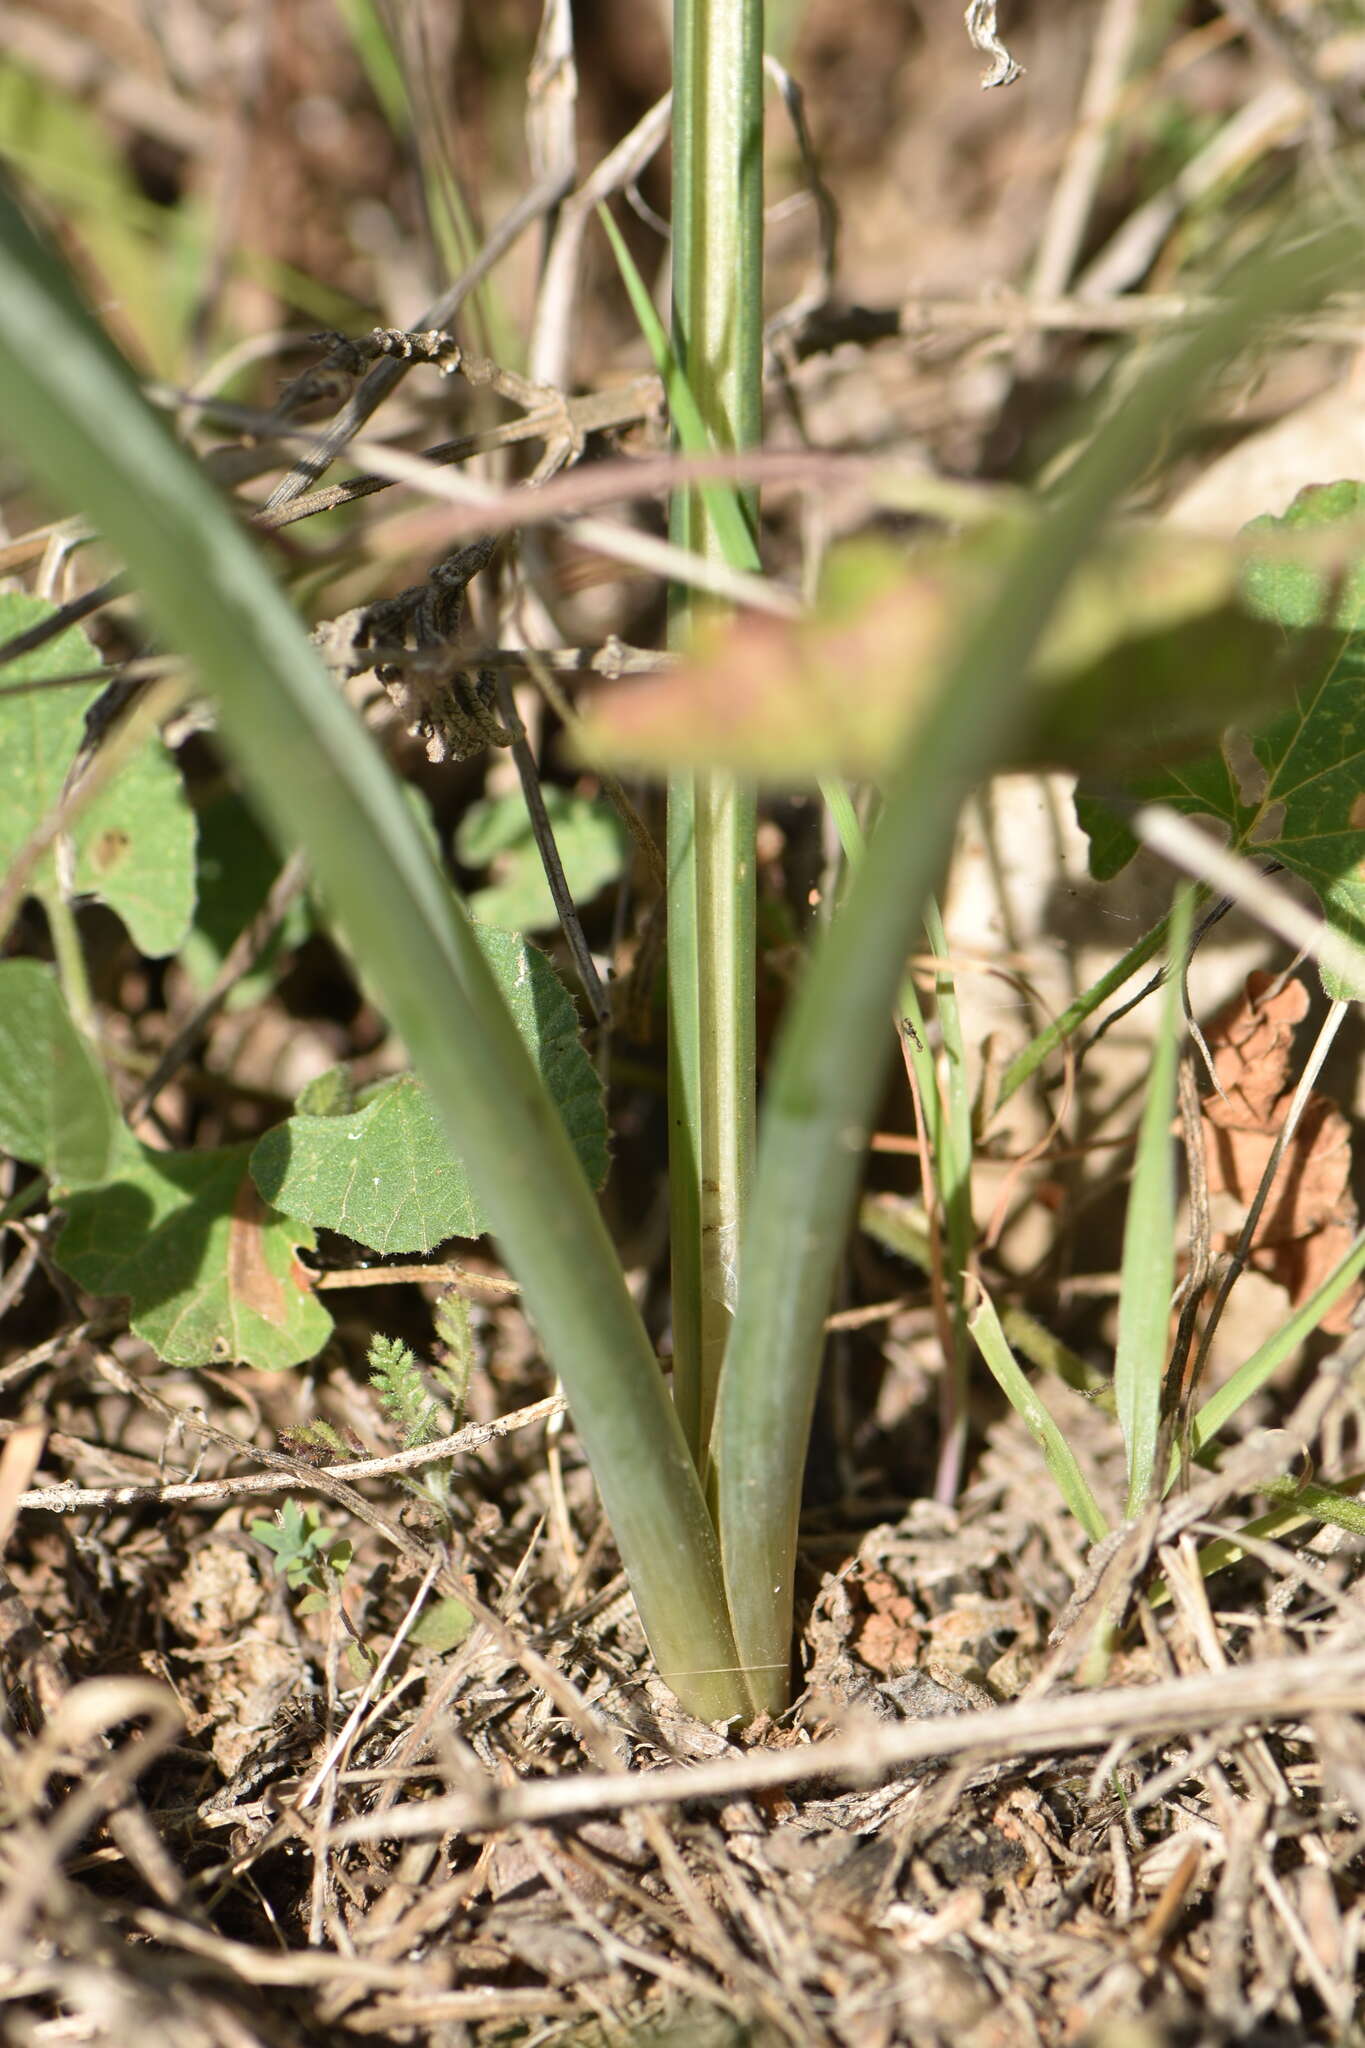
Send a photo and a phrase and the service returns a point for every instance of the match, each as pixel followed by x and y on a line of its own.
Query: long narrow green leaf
pixel 1300 1504
pixel 69 404
pixel 724 504
pixel 830 1060
pixel 1018 1391
pixel 953 1168
pixel 1148 1268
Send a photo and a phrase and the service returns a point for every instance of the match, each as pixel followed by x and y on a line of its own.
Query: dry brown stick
pixel 1009 313
pixel 240 1962
pixel 1278 1689
pixel 649 476
pixel 443 1273
pixel 1073 196
pixel 593 413
pixel 386 374
pixel 64 1500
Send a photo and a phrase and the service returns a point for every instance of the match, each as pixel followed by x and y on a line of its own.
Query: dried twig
pixel 387 374
pixel 1275 1690
pixel 289 1472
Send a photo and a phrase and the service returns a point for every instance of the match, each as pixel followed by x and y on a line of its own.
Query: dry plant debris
pixel 1310 1218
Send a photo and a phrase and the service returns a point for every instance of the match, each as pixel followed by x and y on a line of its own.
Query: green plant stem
pixel 71 405
pixel 829 1062
pixel 717 340
pixel 69 955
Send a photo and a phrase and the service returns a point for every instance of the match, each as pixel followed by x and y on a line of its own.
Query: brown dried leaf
pixel 1310 1218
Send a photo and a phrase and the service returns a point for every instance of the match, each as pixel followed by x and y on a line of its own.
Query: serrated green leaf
pixel 211 1275
pixel 134 843
pixel 496 832
pixel 57 1110
pixel 1293 790
pixel 442 1626
pixel 386 1175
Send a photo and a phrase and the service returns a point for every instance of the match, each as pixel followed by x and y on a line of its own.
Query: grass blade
pixel 1027 1062
pixel 1148 1268
pixel 1018 1391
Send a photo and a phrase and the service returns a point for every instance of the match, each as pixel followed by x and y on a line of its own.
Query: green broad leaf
pixel 1153 648
pixel 211 1275
pixel 496 833
pixel 1293 592
pixel 290 1535
pixel 134 843
pixel 57 1110
pixel 386 1175
pixel 441 1626
pixel 135 851
pixel 236 866
pixel 1291 789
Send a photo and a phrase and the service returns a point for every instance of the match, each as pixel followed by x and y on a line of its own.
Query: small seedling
pixel 311 1557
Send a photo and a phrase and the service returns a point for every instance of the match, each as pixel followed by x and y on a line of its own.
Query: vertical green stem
pixel 717 336
pixel 70 956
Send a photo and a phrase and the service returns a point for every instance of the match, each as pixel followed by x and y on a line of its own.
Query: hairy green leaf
pixel 56 1107
pixel 210 1273
pixel 442 1626
pixel 134 842
pixel 385 1175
